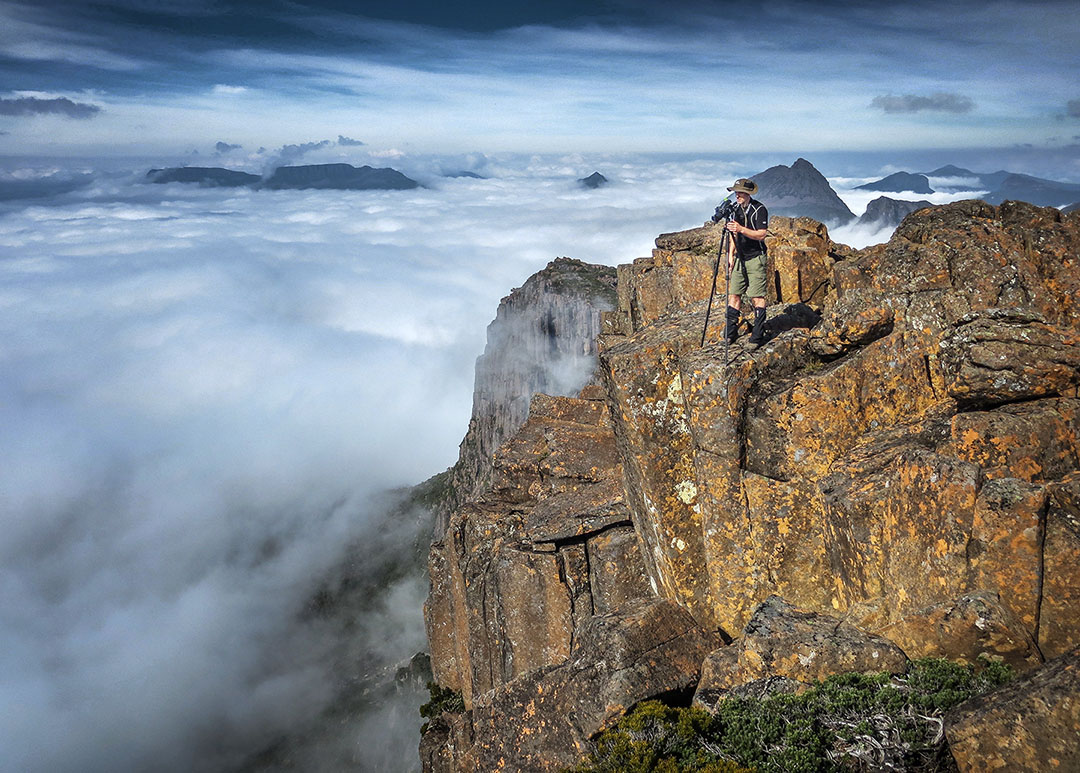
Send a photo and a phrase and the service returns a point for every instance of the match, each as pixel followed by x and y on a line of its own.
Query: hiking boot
pixel 731 330
pixel 757 337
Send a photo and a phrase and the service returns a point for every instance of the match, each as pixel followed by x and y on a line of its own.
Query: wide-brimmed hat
pixel 743 185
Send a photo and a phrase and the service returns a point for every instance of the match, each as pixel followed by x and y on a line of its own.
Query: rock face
pixel 886 212
pixel 895 473
pixel 543 339
pixel 523 567
pixel 800 190
pixel 530 583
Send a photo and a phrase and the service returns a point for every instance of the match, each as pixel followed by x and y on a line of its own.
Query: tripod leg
pixel 716 270
pixel 727 296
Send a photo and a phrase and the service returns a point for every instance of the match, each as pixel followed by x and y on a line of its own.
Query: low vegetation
pixel 443 699
pixel 850 722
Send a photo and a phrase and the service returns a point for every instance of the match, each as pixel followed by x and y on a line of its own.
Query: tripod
pixel 721 255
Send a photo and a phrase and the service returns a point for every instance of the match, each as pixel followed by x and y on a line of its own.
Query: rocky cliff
pixel 896 473
pixel 543 339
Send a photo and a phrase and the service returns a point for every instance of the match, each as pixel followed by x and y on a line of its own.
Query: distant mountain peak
pixel 595 180
pixel 801 191
pixel 327 176
pixel 899 182
pixel 885 212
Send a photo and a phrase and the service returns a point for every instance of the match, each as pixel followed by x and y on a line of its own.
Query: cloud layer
pixel 202 389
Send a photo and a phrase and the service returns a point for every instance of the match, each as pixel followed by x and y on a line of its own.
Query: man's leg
pixel 758 335
pixel 734 303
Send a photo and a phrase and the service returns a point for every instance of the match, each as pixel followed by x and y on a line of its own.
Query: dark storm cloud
pixel 940 102
pixel 20 106
pixel 225 147
pixel 1072 108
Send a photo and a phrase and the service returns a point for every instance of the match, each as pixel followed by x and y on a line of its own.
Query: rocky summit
pixel 894 474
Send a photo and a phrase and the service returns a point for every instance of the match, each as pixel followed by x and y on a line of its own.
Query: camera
pixel 725 211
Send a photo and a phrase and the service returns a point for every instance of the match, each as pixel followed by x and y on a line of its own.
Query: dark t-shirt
pixel 755 217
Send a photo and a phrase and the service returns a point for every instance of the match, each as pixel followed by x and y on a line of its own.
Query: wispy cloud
pixel 220 88
pixel 939 102
pixel 21 106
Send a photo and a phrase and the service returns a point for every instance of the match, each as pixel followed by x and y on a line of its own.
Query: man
pixel 747 260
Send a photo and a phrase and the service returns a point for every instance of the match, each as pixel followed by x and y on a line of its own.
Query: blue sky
pixel 127 77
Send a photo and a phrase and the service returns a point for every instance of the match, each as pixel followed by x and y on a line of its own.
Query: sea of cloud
pixel 201 391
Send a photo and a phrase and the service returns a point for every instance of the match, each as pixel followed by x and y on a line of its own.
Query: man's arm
pixel 757 235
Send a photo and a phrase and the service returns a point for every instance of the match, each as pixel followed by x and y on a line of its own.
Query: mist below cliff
pixel 201 392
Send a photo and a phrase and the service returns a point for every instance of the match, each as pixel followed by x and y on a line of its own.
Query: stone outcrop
pixel 542 340
pixel 895 473
pixel 851 466
pixel 1030 724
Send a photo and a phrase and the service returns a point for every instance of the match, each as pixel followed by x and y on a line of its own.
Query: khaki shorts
pixel 748 276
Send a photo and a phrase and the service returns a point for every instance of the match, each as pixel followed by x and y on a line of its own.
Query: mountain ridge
pixel 304 177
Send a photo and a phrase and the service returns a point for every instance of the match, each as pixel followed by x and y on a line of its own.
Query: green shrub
pixel 846 722
pixel 443 699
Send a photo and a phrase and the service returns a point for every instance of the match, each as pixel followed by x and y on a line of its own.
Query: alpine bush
pixel 848 722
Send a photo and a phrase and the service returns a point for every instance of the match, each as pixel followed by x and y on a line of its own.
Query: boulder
pixel 974 625
pixel 1028 724
pixel 787 648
